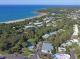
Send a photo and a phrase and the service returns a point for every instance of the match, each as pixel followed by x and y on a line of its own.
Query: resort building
pixel 38 24
pixel 29 26
pixel 74 38
pixel 45 36
pixel 76 32
pixel 49 34
pixel 47 48
pixel 61 54
pixel 75 29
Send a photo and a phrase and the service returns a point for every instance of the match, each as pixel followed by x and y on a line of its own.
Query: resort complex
pixel 54 34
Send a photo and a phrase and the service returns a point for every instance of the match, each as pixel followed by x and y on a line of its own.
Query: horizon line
pixel 42 4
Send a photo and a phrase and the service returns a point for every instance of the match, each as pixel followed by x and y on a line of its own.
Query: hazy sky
pixel 45 2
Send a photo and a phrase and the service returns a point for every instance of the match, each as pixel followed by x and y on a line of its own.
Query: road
pixel 72 53
pixel 75 35
pixel 37 51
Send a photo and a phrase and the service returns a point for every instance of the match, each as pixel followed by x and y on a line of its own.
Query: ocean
pixel 14 12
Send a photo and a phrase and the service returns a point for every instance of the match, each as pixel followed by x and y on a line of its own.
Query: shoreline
pixel 19 20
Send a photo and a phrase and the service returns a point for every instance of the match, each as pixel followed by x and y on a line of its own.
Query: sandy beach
pixel 19 20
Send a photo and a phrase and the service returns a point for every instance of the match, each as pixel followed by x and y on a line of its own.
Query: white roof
pixel 52 33
pixel 68 43
pixel 75 28
pixel 74 40
pixel 61 56
pixel 53 13
pixel 63 44
pixel 47 47
pixel 38 23
pixel 49 34
pixel 60 49
pixel 29 26
pixel 45 36
pixel 48 21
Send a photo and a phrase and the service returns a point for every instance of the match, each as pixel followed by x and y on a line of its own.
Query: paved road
pixel 33 57
pixel 74 36
pixel 13 56
pixel 72 53
pixel 39 47
pixel 37 51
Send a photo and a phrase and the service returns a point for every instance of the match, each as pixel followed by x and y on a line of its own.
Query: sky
pixel 40 2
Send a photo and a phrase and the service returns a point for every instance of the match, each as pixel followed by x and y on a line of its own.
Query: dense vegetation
pixel 13 36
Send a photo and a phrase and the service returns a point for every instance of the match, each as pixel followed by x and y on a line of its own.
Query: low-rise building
pixel 61 54
pixel 47 48
pixel 49 34
pixel 38 24
pixel 29 26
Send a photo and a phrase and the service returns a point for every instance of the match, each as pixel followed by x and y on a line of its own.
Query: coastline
pixel 19 20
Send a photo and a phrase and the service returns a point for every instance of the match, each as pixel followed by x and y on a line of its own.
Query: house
pixel 46 48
